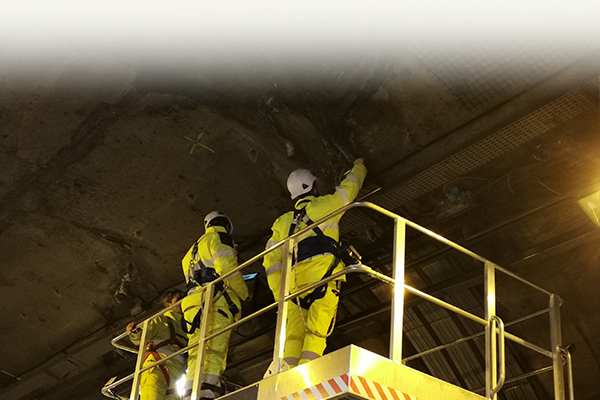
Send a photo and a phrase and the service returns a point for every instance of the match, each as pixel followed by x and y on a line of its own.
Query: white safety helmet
pixel 300 181
pixel 217 214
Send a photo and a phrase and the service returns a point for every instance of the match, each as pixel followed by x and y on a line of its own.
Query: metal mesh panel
pixel 525 129
pixel 432 312
pixel 411 321
pixel 355 220
pixel 383 293
pixel 413 279
pixel 438 271
pixel 468 365
pixel 420 252
pixel 436 362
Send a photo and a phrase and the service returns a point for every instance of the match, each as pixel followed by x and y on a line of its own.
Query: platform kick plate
pixel 352 373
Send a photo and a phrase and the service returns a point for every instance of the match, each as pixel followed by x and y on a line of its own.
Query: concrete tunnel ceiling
pixel 113 148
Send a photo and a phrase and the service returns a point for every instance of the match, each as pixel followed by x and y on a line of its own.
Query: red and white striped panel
pixel 349 383
pixel 376 391
pixel 323 390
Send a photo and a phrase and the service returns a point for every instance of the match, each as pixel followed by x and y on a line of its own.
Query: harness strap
pixel 198 276
pixel 232 307
pixel 317 293
pixel 171 340
pixel 314 245
pixel 195 324
pixel 174 336
pixel 157 357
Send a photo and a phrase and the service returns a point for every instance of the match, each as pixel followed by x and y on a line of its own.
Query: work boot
pixel 210 392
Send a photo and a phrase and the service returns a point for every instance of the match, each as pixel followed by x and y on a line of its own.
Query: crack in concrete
pixel 85 138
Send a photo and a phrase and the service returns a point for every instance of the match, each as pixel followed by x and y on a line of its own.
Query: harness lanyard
pixel 153 350
pixel 220 292
pixel 302 215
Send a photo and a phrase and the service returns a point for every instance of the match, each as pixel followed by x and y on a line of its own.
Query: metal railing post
pixel 494 332
pixel 570 374
pixel 398 297
pixel 204 325
pixel 499 325
pixel 282 306
pixel 556 343
pixel 491 361
pixel 135 386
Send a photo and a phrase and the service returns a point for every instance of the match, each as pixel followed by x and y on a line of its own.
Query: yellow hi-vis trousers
pixel 153 383
pixel 302 346
pixel 215 359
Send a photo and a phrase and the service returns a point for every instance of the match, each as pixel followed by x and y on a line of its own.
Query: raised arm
pixel 225 260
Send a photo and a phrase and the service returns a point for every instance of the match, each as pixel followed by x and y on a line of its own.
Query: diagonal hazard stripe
pixel 353 386
pixel 346 378
pixel 340 382
pixel 376 391
pixel 366 387
pixel 394 393
pixel 322 390
pixel 328 388
pixel 349 383
pixel 303 395
pixel 334 386
pixel 314 394
pixel 380 390
pixel 309 394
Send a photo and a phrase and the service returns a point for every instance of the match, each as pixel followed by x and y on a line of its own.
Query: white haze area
pixel 36 31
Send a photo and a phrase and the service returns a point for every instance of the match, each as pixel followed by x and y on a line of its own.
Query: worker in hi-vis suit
pixel 315 257
pixel 165 337
pixel 210 257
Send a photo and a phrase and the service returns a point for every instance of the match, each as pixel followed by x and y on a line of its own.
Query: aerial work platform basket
pixel 353 372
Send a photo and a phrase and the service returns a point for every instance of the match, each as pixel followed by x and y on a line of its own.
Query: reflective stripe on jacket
pixel 158 331
pixel 215 250
pixel 316 208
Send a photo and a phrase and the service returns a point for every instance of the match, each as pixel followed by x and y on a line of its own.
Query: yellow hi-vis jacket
pixel 313 269
pixel 159 331
pixel 215 250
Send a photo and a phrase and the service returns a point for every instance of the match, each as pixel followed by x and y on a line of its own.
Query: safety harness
pixel 310 247
pixel 199 275
pixel 152 349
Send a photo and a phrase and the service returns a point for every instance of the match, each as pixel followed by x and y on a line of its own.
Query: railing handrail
pixel 345 271
pixel 473 336
pixel 348 269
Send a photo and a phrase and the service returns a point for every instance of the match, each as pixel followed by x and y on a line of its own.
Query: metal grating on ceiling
pixel 525 129
pixel 413 279
pixel 482 74
pixel 439 271
pixel 462 354
pixel 523 391
pixel 436 363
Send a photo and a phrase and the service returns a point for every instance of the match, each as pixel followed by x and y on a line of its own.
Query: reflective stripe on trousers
pixel 216 352
pixel 153 384
pixel 302 345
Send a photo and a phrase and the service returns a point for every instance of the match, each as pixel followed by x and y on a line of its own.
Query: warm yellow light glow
pixel 367 362
pixel 591 206
pixel 305 373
